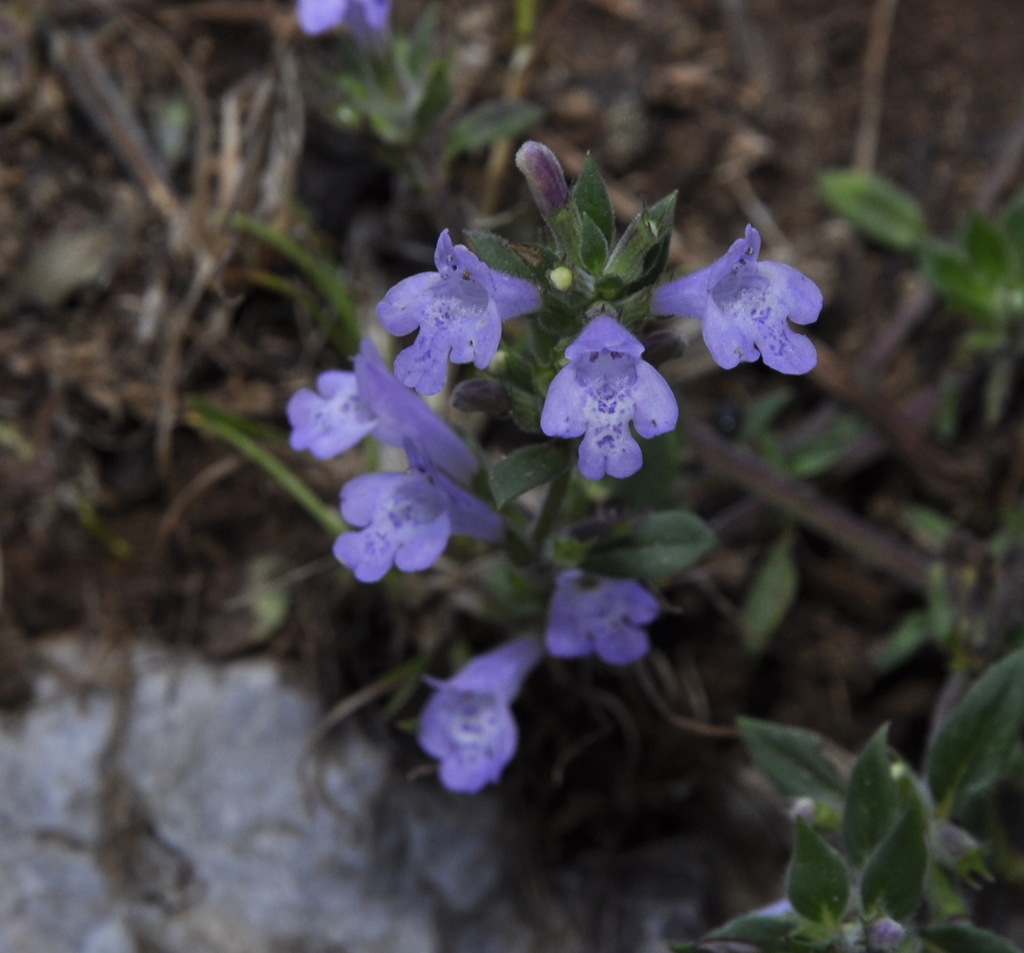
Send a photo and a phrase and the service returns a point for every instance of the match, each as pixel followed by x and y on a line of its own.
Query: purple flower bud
pixel 744 306
pixel 885 935
pixel 363 17
pixel 468 723
pixel 406 519
pixel 604 387
pixel 544 176
pixel 594 614
pixel 331 419
pixel 458 309
pixel 482 396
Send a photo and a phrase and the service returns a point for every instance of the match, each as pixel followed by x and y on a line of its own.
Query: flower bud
pixel 544 175
pixel 481 396
pixel 662 345
pixel 885 935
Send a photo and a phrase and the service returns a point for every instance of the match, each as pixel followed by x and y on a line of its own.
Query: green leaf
pixel 590 196
pixel 493 250
pixel 434 98
pixel 969 753
pixel 593 246
pixel 989 250
pixel 879 209
pixel 792 759
pixel 872 799
pixel 817 883
pixel 238 432
pixel 770 595
pixel 962 938
pixel 894 875
pixel 526 468
pixel 947 269
pixel 656 546
pixel 755 928
pixel 913 631
pixel 490 120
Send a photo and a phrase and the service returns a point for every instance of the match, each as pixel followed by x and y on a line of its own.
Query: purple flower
pixel 458 310
pixel 744 304
pixel 468 723
pixel 348 405
pixel 362 17
pixel 591 613
pixel 331 419
pixel 605 386
pixel 406 519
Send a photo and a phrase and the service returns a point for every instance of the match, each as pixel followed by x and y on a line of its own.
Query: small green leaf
pixel 969 753
pixel 879 209
pixel 792 759
pixel 590 196
pixel 962 938
pixel 593 246
pixel 947 268
pixel 989 250
pixel 894 875
pixel 493 250
pixel 490 120
pixel 656 546
pixel 817 883
pixel 770 595
pixel 434 100
pixel 872 799
pixel 755 928
pixel 526 468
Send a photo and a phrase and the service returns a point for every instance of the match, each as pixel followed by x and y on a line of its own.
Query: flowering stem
pixel 801 501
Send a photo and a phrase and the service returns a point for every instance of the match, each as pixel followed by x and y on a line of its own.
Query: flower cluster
pixel 598 389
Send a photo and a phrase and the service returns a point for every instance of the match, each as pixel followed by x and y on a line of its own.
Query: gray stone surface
pixel 155 803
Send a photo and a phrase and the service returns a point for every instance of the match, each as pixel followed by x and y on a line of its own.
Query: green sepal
pixel 817 883
pixel 593 246
pixel 792 759
pixel 894 875
pixel 526 468
pixel 971 750
pixel 641 253
pixel 654 547
pixel 872 799
pixel 880 210
pixel 590 198
pixel 963 938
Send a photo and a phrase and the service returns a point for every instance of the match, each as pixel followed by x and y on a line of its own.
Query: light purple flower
pixel 406 519
pixel 348 405
pixel 595 614
pixel 363 17
pixel 744 306
pixel 604 386
pixel 468 724
pixel 458 310
pixel 331 419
